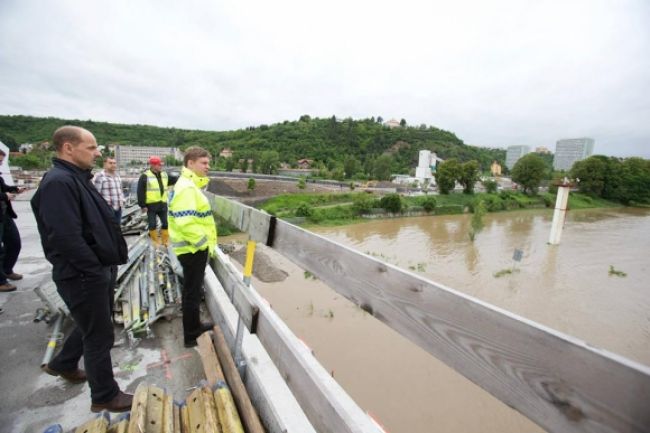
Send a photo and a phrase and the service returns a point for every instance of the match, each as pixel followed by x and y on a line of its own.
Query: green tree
pixel 27 162
pixel 529 171
pixel 251 185
pixel 635 181
pixel 592 173
pixel 381 167
pixel 301 183
pixel 171 161
pixel 468 175
pixel 446 174
pixel 269 161
pixel 230 164
pixel 9 141
pixel 350 166
pixel 243 165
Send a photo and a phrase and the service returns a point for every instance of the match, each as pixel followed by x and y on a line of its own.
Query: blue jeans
pixel 157 210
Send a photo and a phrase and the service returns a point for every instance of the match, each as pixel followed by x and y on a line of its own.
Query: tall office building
pixel 514 153
pixel 570 150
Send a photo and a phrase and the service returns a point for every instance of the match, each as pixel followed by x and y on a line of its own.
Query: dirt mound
pixel 263 188
pixel 263 268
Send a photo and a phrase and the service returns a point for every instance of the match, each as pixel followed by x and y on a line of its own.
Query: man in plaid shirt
pixel 109 185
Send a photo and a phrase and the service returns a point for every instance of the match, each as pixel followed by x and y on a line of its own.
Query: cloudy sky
pixel 496 73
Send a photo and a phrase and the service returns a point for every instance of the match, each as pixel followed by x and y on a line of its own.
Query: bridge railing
pixel 560 382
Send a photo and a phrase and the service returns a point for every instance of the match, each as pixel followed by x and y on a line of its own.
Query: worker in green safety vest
pixel 152 199
pixel 193 236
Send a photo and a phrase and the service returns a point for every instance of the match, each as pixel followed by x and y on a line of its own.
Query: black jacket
pixel 77 227
pixel 5 203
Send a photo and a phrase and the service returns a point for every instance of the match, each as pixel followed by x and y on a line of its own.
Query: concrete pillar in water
pixel 560 214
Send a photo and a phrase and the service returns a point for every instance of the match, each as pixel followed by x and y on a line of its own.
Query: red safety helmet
pixel 155 160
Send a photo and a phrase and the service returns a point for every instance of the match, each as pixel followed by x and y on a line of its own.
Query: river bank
pixel 348 208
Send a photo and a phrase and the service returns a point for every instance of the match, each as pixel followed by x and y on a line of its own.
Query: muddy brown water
pixel 566 287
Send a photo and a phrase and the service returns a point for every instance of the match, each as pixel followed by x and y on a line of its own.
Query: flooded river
pixel 567 287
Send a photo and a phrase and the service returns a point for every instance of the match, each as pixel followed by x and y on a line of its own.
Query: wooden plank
pixel 243 402
pixel 137 423
pixel 96 425
pixel 168 414
pixel 119 427
pixel 177 419
pixel 228 416
pixel 211 366
pixel 240 293
pixel 155 410
pixel 559 382
pixel 195 412
pixel 185 419
pixel 212 420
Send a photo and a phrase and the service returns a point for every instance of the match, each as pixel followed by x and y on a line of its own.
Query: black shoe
pixel 206 327
pixel 120 403
pixel 190 343
pixel 73 376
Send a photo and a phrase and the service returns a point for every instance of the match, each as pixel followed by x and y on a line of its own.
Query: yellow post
pixel 250 255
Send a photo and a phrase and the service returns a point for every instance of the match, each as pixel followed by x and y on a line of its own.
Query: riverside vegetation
pixel 347 208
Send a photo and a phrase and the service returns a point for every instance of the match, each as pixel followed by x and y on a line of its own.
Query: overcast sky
pixel 496 73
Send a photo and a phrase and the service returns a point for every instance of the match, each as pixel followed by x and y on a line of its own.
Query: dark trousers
pixel 10 246
pixel 157 210
pixel 193 273
pixel 89 303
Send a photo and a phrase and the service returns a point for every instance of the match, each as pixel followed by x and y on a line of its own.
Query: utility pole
pixel 560 211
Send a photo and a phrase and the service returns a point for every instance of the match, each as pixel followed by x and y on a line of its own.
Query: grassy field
pixel 348 208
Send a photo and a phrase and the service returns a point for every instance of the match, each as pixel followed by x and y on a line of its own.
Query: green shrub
pixel 490 186
pixel 429 204
pixel 363 203
pixel 391 202
pixel 304 210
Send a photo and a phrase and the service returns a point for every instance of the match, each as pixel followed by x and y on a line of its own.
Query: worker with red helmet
pixel 152 199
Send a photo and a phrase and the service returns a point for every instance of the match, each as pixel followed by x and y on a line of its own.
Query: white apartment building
pixel 570 150
pixel 514 153
pixel 124 155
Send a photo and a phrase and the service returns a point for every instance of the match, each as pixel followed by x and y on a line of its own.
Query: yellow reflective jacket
pixel 153 188
pixel 191 224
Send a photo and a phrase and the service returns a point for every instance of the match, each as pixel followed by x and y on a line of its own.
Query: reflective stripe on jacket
pixel 191 224
pixel 153 187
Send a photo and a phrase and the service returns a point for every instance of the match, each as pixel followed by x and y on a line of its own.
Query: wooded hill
pixel 326 140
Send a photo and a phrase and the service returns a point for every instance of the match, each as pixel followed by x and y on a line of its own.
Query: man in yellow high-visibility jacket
pixel 193 236
pixel 152 199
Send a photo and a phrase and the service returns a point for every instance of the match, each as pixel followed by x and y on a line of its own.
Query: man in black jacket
pixel 9 235
pixel 83 242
